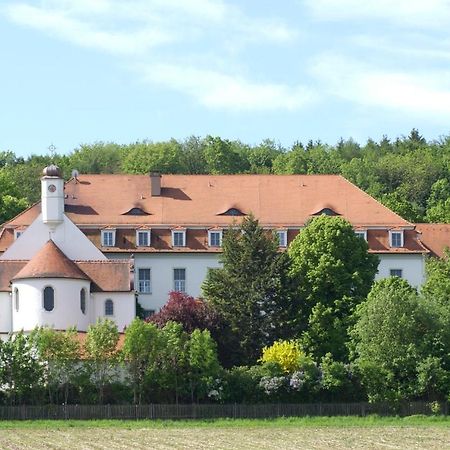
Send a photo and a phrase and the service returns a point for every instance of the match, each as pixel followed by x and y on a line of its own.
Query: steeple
pixel 52 196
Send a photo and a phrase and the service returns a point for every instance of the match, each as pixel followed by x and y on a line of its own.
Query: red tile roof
pixel 50 262
pixel 435 236
pixel 287 200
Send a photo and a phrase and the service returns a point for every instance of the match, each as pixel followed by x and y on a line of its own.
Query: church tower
pixel 52 196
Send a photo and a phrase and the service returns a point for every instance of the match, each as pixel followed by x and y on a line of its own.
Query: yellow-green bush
pixel 286 354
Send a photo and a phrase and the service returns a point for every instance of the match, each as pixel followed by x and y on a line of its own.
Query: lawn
pixel 290 433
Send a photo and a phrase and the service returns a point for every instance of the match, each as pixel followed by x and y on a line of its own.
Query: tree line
pixel 308 324
pixel 409 175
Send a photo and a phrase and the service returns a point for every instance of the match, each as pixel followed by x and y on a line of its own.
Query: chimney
pixel 155 184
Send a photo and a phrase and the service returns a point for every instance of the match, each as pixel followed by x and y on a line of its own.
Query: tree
pixel 191 313
pixel 140 348
pixel 21 370
pixel 249 291
pixel 144 157
pixel 61 352
pixel 202 361
pixel 171 365
pixel 221 157
pixel 392 336
pixel 101 350
pixel 333 272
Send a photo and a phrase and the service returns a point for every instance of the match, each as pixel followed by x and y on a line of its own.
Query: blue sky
pixel 80 71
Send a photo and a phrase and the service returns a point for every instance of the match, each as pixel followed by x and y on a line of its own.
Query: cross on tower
pixel 52 150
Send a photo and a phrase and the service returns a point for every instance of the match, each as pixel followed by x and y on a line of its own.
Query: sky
pixel 75 72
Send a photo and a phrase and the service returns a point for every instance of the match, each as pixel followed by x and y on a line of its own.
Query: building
pixel 54 276
pixel 173 224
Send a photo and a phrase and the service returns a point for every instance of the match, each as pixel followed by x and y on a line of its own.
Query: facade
pixel 52 275
pixel 173 224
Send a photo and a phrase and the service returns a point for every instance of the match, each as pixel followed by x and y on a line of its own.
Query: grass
pixel 414 432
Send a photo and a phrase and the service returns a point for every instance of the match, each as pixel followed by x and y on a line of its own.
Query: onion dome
pixel 52 171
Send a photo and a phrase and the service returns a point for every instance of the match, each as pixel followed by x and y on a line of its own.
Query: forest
pixel 410 175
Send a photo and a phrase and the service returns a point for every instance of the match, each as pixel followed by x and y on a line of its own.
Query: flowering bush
pixel 286 354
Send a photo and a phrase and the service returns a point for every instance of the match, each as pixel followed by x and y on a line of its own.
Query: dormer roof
pixel 51 262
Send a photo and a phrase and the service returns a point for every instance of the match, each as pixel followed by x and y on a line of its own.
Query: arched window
pixel 109 307
pixel 49 298
pixel 16 299
pixel 83 300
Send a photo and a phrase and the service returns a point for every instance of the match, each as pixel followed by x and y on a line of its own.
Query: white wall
pixel 196 265
pixel 162 265
pixel 66 312
pixel 412 265
pixel 5 312
pixel 67 236
pixel 124 307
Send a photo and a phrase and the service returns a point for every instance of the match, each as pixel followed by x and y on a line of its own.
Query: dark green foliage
pixel 333 272
pixel 249 292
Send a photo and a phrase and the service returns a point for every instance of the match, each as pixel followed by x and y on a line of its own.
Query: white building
pixel 54 276
pixel 173 224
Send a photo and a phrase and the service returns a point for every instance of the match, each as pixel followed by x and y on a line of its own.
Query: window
pixel 215 238
pixel 179 280
pixel 49 298
pixel 16 299
pixel 146 313
pixel 143 238
pixel 178 238
pixel 144 285
pixel 396 273
pixel 83 301
pixel 109 307
pixel 108 238
pixel 396 238
pixel 362 234
pixel 136 212
pixel 282 238
pixel 18 233
pixel 326 212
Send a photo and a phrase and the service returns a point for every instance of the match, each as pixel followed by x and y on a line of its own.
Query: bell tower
pixel 52 196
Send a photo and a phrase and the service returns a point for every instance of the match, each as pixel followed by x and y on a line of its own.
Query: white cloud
pixel 418 93
pixel 429 13
pixel 219 90
pixel 136 29
pixel 61 24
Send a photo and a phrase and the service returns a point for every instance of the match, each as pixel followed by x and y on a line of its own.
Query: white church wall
pixel 67 236
pixel 5 312
pixel 66 312
pixel 411 265
pixel 124 307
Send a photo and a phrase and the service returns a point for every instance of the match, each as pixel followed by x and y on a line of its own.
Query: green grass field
pixel 290 433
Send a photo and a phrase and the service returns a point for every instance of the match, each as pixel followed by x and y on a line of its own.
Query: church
pixel 95 243
pixel 54 276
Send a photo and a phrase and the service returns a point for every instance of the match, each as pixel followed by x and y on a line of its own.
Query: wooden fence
pixel 212 411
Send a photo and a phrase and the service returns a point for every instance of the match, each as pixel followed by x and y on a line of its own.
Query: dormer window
pixel 232 212
pixel 282 238
pixel 136 212
pixel 178 238
pixel 396 239
pixel 108 238
pixel 143 238
pixel 215 238
pixel 361 234
pixel 326 212
pixel 18 233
